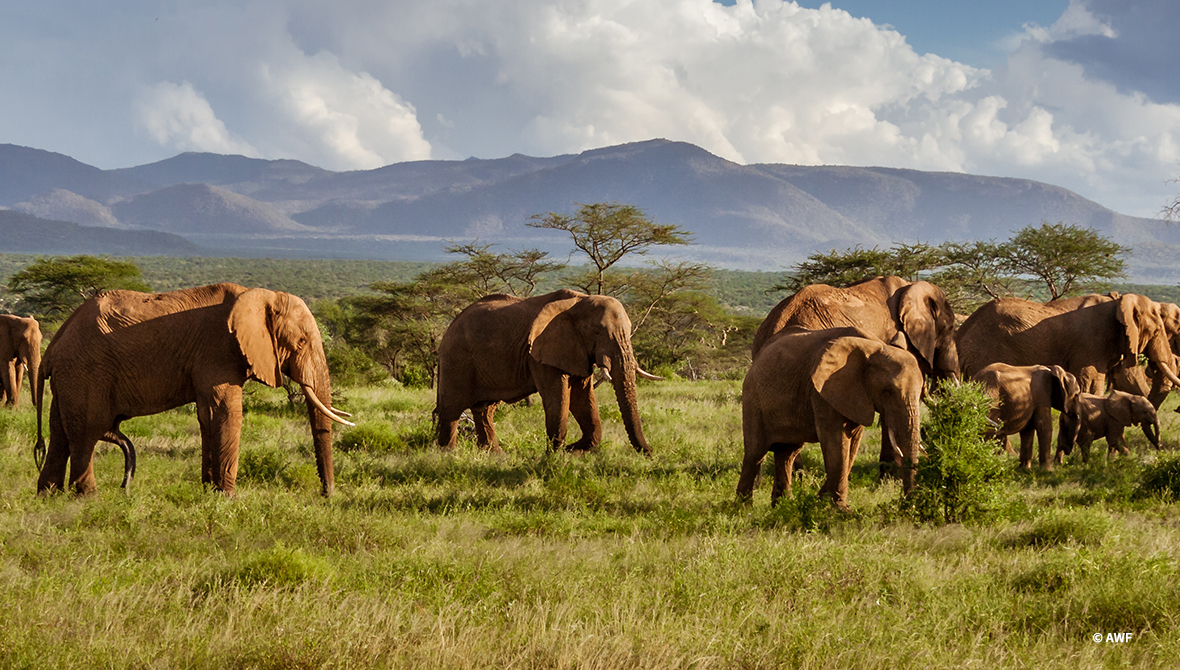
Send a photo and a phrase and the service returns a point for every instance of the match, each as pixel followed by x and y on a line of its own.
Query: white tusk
pixel 647 375
pixel 606 374
pixel 339 412
pixel 310 393
pixel 893 443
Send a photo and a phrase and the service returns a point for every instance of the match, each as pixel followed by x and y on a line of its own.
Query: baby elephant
pixel 825 386
pixel 1100 416
pixel 1027 396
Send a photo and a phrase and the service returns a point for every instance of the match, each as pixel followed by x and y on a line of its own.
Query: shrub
pixel 350 366
pixel 1161 478
pixel 379 437
pixel 959 478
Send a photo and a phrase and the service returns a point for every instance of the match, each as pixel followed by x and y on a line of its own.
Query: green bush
pixel 1161 478
pixel 350 366
pixel 380 437
pixel 960 478
pixel 415 377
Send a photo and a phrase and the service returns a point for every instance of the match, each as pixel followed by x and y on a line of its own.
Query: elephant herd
pixel 825 362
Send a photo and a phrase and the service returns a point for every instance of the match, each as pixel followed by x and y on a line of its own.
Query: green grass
pixel 530 559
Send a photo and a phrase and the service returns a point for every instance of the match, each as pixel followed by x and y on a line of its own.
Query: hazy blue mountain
pixel 201 208
pixel 25 233
pixel 62 205
pixel 27 172
pixel 762 216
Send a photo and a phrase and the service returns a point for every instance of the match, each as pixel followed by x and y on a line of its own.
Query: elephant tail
pixel 37 379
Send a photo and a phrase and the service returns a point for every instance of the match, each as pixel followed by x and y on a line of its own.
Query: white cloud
pixel 349 119
pixel 361 83
pixel 179 117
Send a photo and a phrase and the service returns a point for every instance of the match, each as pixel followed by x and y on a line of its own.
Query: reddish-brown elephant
pixel 1106 416
pixel 502 349
pixel 20 349
pixel 1088 336
pixel 124 354
pixel 825 386
pixel 914 316
pixel 1025 397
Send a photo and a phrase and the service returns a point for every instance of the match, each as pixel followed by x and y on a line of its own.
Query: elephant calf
pixel 1026 396
pixel 1107 416
pixel 825 386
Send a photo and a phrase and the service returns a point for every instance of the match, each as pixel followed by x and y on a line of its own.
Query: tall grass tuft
pixel 1161 478
pixel 959 479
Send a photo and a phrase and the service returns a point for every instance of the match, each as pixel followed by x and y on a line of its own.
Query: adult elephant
pixel 124 354
pixel 1087 336
pixel 825 386
pixel 1150 380
pixel 20 348
pixel 916 317
pixel 1025 397
pixel 502 349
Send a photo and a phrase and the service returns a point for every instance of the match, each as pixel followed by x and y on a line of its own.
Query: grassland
pixel 536 560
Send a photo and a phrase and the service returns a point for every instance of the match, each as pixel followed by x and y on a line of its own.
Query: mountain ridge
pixel 757 216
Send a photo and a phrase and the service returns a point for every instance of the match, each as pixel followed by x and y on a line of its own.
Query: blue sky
pixel 1080 93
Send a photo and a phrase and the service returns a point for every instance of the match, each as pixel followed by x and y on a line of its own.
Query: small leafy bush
pixel 1161 478
pixel 350 366
pixel 380 437
pixel 960 478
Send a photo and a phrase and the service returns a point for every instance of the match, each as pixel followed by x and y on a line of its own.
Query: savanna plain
pixel 532 559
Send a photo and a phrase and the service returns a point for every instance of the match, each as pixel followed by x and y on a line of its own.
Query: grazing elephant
pixel 502 349
pixel 1150 381
pixel 20 348
pixel 1026 396
pixel 914 316
pixel 825 386
pixel 1087 336
pixel 124 354
pixel 1100 416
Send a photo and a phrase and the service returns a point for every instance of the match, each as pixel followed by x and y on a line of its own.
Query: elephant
pixel 1088 336
pixel 916 317
pixel 1026 396
pixel 1106 416
pixel 20 349
pixel 502 348
pixel 124 354
pixel 1149 380
pixel 825 386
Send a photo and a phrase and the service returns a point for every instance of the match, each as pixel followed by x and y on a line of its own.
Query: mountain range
pixel 761 216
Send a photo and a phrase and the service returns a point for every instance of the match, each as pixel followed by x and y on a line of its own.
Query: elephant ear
pixel 1131 316
pixel 1063 390
pixel 918 312
pixel 555 339
pixel 251 321
pixel 839 377
pixel 1118 406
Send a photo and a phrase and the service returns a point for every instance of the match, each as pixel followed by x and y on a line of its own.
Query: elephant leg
pixel 584 407
pixel 555 398
pixel 219 411
pixel 1114 442
pixel 11 386
pixel 116 437
pixel 835 439
pixel 485 428
pixel 1084 447
pixel 1043 419
pixel 448 427
pixel 1027 435
pixel 755 448
pixel 17 377
pixel 784 461
pixel 57 456
pixel 888 464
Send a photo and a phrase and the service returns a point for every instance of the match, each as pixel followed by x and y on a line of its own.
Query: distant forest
pixel 741 292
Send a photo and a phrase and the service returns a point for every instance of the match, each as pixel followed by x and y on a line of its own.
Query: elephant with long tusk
pixel 502 349
pixel 124 354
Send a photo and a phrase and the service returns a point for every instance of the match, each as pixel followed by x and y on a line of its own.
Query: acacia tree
pixel 607 232
pixel 53 287
pixel 1066 258
pixel 515 273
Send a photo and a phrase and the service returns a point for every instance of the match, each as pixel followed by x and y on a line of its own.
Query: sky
pixel 1077 93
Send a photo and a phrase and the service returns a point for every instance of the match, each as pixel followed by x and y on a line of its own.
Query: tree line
pixel 394 328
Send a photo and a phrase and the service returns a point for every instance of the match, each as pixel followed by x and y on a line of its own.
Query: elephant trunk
pixel 319 394
pixel 1159 352
pixel 905 434
pixel 1068 428
pixel 1152 430
pixel 624 383
pixel 32 361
